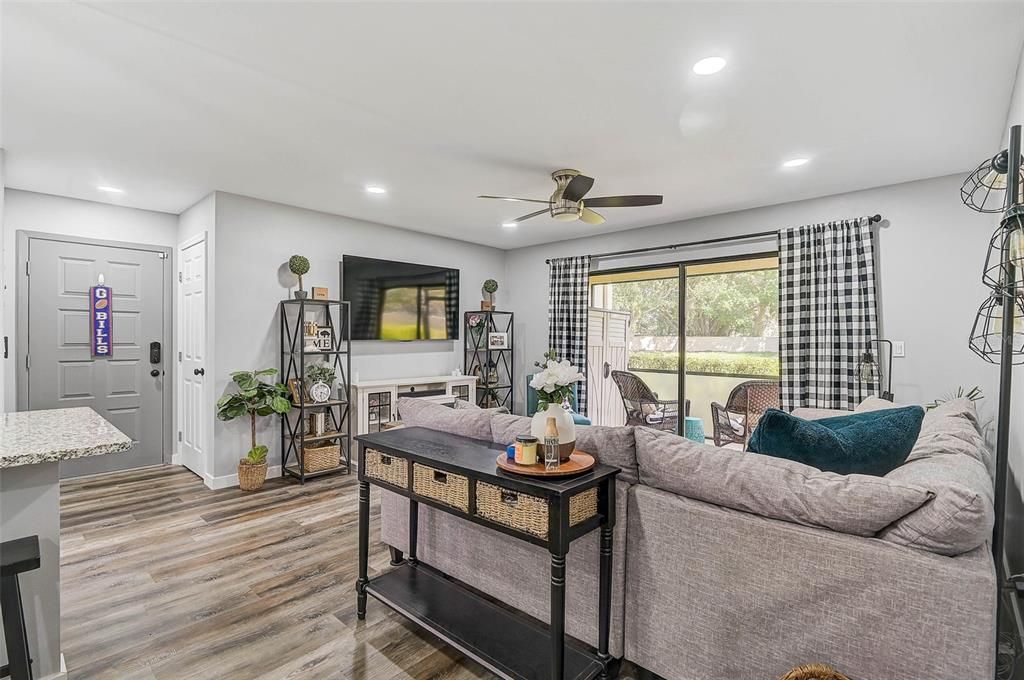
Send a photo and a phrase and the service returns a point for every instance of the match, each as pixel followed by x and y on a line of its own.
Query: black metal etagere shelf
pixel 493 366
pixel 333 314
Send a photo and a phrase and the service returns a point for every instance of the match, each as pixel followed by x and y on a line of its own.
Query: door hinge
pixel 179 356
pixel 26 267
pixel 162 256
pixel 179 435
pixel 28 363
pixel 180 278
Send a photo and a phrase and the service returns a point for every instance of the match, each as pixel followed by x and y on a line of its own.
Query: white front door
pixel 192 415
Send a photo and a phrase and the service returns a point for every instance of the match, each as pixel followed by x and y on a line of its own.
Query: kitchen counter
pixel 31 437
pixel 32 445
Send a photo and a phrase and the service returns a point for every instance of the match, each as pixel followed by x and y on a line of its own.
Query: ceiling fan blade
pixel 590 217
pixel 524 200
pixel 623 201
pixel 577 188
pixel 526 217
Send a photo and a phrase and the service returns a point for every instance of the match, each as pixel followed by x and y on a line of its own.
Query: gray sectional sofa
pixel 737 565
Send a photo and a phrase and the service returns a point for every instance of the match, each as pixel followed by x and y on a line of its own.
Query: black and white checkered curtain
pixel 827 313
pixel 568 300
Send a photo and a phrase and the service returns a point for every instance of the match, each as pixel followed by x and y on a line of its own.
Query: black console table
pixel 458 475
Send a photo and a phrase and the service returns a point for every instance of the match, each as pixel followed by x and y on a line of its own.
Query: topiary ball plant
pixel 298 265
pixel 490 288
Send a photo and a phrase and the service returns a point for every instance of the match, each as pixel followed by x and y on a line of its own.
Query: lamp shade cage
pixel 984 190
pixel 1005 255
pixel 986 335
pixel 867 369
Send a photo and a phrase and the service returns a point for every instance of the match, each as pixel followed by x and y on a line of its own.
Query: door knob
pixel 199 371
pixel 607 369
pixel 155 373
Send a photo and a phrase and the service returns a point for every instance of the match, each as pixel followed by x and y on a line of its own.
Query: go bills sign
pixel 99 312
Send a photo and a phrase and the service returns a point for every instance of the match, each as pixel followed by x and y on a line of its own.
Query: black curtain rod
pixel 872 219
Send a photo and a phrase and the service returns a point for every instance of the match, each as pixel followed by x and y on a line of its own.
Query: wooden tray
pixel 578 463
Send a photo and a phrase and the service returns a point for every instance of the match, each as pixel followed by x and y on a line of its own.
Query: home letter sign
pixel 99 313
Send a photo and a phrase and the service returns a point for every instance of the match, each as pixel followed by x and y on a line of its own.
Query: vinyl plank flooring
pixel 164 579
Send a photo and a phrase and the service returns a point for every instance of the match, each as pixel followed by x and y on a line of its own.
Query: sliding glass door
pixel 649 299
pixel 732 330
pixel 696 331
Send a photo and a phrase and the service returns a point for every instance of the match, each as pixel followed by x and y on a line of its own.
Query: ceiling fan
pixel 567 204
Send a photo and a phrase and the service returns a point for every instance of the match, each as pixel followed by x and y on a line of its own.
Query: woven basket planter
pixel 251 477
pixel 814 671
pixel 317 458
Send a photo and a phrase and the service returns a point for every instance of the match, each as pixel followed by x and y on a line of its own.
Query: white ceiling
pixel 305 103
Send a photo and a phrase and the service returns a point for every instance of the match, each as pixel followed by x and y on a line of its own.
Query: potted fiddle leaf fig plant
pixel 299 265
pixel 254 397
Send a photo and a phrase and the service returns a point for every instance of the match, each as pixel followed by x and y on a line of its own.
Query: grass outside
pixel 722 363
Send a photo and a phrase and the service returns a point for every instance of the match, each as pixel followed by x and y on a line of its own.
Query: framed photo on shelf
pixel 297 389
pixel 497 340
pixel 323 341
pixel 321 293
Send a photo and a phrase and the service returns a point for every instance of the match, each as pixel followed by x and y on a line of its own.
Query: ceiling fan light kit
pixel 566 203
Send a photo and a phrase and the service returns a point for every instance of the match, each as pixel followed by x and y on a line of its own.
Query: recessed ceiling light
pixel 110 190
pixel 709 65
pixel 795 162
pixel 374 189
pixel 510 225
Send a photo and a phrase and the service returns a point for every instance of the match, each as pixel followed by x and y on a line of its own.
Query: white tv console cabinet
pixel 376 401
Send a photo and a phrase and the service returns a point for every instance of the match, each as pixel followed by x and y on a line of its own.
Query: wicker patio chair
pixel 734 422
pixel 814 671
pixel 643 407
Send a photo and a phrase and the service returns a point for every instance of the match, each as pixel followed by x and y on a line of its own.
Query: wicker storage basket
pixel 251 477
pixel 449 488
pixel 527 513
pixel 323 457
pixel 387 469
pixel 814 671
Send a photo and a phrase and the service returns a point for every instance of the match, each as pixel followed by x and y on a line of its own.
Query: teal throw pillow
pixel 869 443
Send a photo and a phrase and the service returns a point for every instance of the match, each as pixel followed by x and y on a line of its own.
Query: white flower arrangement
pixel 554 384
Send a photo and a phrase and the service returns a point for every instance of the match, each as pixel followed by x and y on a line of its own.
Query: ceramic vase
pixel 566 429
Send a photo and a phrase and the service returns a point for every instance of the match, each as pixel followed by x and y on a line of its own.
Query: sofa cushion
pixel 773 487
pixel 609 445
pixel 423 413
pixel 952 460
pixel 960 516
pixel 870 443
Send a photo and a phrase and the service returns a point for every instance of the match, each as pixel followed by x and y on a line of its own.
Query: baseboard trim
pixel 62 674
pixel 226 481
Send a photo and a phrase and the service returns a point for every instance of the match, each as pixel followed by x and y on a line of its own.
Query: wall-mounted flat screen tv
pixel 400 301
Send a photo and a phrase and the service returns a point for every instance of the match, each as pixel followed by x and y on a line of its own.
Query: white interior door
pixel 608 339
pixel 192 355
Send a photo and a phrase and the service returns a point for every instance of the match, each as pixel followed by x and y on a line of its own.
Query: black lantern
pixel 869 372
pixel 1005 251
pixel 987 334
pixel 984 189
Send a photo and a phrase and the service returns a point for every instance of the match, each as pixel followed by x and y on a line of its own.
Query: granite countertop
pixel 30 437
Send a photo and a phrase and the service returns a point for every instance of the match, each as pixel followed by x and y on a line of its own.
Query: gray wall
pixel 931 249
pixel 255 239
pixel 26 210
